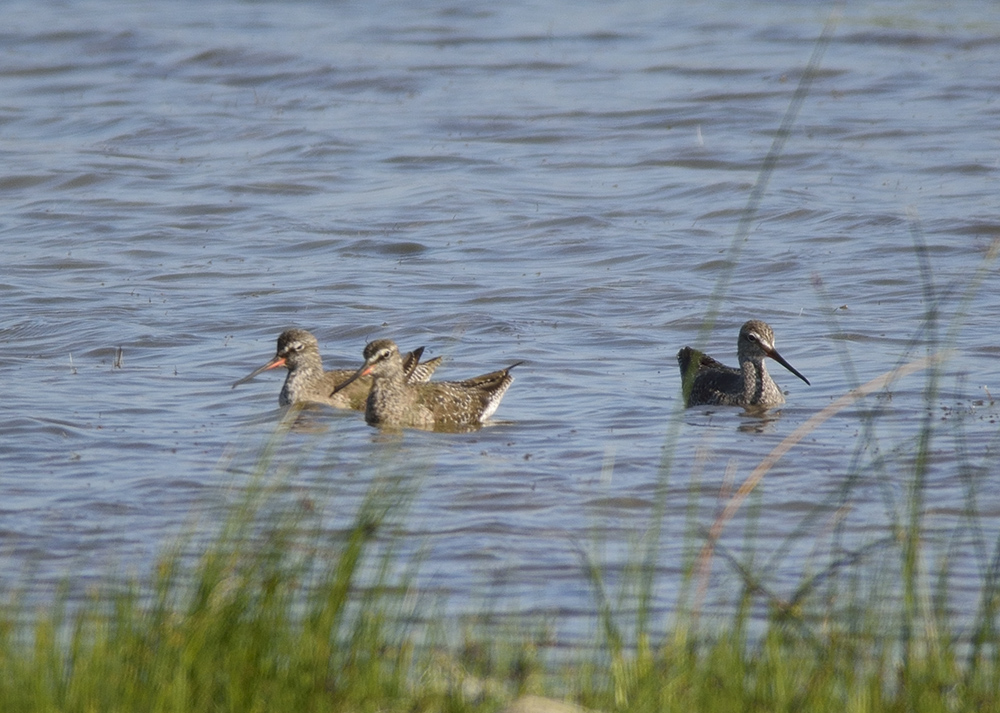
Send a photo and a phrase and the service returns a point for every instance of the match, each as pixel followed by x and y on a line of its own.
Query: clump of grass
pixel 274 615
pixel 275 611
pixel 221 635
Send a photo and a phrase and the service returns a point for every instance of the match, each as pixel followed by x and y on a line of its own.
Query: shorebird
pixel 706 381
pixel 441 405
pixel 306 382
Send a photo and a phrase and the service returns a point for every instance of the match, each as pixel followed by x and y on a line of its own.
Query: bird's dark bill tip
pixel 277 361
pixel 778 358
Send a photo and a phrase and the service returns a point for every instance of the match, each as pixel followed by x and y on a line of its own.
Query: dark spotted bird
pixel 707 382
pixel 307 382
pixel 441 405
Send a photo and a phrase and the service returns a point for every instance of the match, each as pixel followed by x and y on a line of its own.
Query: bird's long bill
pixel 274 363
pixel 365 370
pixel 778 358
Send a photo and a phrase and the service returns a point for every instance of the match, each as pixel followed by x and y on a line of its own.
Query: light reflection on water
pixel 553 185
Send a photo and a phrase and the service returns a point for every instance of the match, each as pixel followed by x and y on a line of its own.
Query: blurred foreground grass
pixel 273 614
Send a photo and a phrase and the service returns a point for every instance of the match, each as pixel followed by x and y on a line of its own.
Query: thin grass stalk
pixel 972 525
pixel 914 647
pixel 985 633
pixel 614 640
pixel 779 451
pixel 326 616
pixel 867 462
pixel 747 216
pixel 749 213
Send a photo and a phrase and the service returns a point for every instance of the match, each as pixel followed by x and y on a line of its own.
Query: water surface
pixel 550 182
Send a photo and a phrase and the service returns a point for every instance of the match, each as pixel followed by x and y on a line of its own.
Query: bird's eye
pixel 384 354
pixel 752 337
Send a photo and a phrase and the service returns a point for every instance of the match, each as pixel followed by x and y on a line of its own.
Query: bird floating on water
pixel 396 401
pixel 707 382
pixel 307 382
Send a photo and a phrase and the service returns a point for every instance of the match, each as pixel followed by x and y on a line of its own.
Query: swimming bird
pixel 706 381
pixel 306 382
pixel 441 405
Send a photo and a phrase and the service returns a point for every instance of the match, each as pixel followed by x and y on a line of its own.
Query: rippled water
pixel 554 182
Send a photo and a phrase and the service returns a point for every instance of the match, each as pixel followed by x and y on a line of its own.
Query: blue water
pixel 559 183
